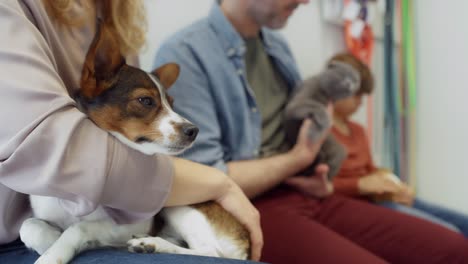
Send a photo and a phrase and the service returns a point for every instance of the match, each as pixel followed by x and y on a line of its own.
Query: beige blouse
pixel 47 146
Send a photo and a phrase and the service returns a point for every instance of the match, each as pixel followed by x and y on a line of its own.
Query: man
pixel 236 78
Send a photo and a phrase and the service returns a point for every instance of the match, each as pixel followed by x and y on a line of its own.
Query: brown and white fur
pixel 134 107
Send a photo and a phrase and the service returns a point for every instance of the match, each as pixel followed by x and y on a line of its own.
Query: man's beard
pixel 277 21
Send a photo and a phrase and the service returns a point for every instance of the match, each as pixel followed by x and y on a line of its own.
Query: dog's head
pixel 129 103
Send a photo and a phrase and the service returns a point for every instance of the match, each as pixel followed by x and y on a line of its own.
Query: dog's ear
pixel 102 62
pixel 167 74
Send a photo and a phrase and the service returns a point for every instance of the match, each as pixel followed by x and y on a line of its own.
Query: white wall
pixel 442 107
pixel 166 17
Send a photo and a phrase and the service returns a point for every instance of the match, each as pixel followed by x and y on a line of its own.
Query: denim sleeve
pixel 193 99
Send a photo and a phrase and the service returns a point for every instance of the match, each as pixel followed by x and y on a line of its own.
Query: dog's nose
pixel 190 131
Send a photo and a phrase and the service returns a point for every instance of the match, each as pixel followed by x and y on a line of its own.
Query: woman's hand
pixel 405 196
pixel 378 183
pixel 235 202
pixel 196 183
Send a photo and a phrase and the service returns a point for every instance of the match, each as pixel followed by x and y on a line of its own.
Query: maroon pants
pixel 338 229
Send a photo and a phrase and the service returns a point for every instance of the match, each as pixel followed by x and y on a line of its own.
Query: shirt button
pixel 254 109
pixel 240 72
pixel 255 152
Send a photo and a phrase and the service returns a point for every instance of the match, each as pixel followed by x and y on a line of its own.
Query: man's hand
pixel 305 151
pixel 316 186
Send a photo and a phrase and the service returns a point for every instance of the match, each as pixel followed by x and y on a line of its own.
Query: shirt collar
pixel 232 41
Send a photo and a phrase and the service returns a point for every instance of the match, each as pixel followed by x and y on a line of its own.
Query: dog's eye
pixel 146 101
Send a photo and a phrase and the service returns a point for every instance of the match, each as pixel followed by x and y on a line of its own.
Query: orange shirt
pixel 358 162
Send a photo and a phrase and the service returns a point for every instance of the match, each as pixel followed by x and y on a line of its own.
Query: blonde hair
pixel 127 17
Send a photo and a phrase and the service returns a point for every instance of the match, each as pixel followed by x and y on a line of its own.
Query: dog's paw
pixel 46 259
pixel 38 235
pixel 57 254
pixel 144 244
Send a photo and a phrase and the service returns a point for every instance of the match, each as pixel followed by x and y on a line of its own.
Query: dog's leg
pixel 90 235
pixel 158 245
pixel 185 223
pixel 193 227
pixel 201 235
pixel 38 234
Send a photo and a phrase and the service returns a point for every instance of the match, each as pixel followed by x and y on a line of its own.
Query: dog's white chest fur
pixel 50 210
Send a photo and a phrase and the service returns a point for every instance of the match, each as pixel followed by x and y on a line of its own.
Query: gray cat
pixel 339 80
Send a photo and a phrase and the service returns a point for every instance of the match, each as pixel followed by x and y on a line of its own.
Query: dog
pixel 134 107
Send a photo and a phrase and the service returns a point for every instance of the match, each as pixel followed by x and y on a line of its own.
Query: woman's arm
pixel 196 183
pixel 361 177
pixel 374 183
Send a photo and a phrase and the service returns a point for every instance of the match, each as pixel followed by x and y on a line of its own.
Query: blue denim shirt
pixel 212 90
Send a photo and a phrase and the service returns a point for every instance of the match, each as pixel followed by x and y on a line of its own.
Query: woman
pixel 48 147
pixel 359 177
